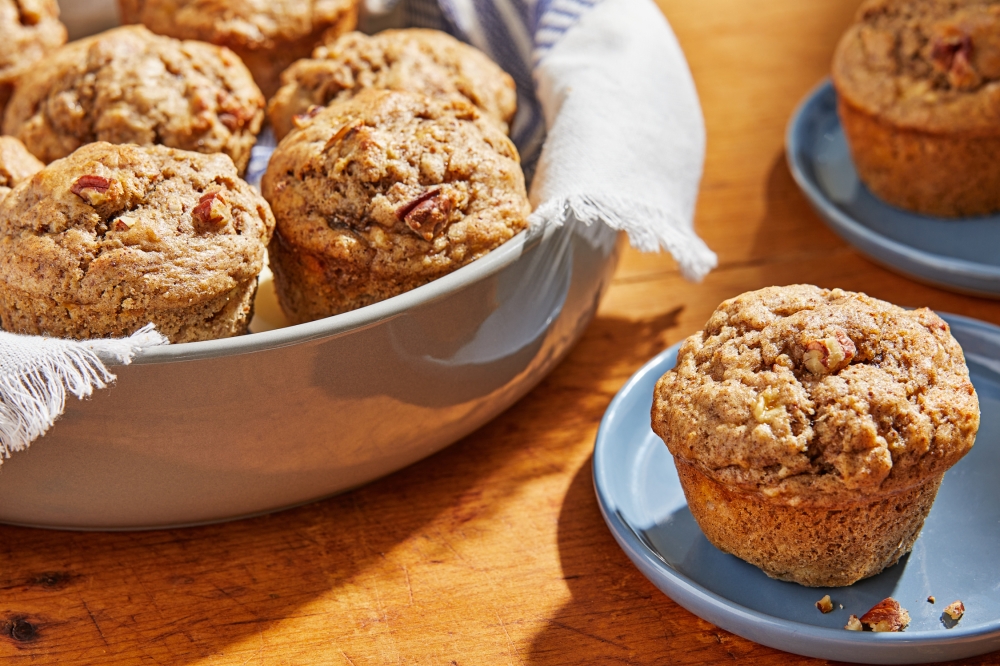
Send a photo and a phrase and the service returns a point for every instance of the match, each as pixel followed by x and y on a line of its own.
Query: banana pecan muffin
pixel 918 85
pixel 269 35
pixel 30 29
pixel 128 85
pixel 383 193
pixel 414 60
pixel 811 428
pixel 16 164
pixel 113 237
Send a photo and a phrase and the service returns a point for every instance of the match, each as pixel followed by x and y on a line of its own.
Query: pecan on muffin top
pixel 115 236
pixel 415 60
pixel 128 85
pixel 383 193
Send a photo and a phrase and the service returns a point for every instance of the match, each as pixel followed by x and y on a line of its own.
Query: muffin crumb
pixel 955 610
pixel 854 624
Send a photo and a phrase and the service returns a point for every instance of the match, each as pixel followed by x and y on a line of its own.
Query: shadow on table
pixel 176 596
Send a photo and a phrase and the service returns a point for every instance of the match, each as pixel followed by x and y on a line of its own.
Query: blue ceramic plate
pixel 960 255
pixel 955 556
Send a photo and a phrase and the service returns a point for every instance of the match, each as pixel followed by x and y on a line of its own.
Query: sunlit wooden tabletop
pixel 493 551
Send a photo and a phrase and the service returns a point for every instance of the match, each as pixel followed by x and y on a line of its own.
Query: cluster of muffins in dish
pixel 811 428
pixel 121 193
pixel 918 87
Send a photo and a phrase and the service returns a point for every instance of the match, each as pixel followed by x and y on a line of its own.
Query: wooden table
pixel 492 552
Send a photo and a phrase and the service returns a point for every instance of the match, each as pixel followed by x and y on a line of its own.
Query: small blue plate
pixel 960 255
pixel 955 557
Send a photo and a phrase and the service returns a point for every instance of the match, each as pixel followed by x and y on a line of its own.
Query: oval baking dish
pixel 209 431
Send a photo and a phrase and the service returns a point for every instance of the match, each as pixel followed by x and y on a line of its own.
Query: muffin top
pixel 932 65
pixel 30 29
pixel 128 85
pixel 16 164
pixel 394 185
pixel 815 395
pixel 423 61
pixel 115 226
pixel 250 24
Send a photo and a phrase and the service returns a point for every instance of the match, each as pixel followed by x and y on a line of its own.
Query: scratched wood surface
pixel 492 552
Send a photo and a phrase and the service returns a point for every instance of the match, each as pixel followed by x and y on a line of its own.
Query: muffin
pixel 423 61
pixel 268 36
pixel 30 29
pixel 811 428
pixel 113 237
pixel 918 87
pixel 16 164
pixel 383 193
pixel 128 85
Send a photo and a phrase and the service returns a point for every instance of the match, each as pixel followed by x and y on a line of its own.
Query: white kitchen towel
pixel 37 372
pixel 609 123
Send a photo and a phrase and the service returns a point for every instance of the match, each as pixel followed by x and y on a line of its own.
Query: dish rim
pixel 865 238
pixel 806 639
pixel 355 320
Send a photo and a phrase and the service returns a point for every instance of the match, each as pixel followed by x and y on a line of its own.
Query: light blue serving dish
pixel 960 255
pixel 955 557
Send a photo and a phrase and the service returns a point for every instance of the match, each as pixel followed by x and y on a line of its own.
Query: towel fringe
pixel 649 229
pixel 36 373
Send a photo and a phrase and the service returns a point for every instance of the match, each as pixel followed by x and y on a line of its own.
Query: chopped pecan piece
pixel 825 605
pixel 886 615
pixel 952 54
pixel 123 223
pixel 427 214
pixel 92 189
pixel 955 610
pixel 211 211
pixel 854 624
pixel 341 134
pixel 931 599
pixel 28 12
pixel 301 119
pixel 829 354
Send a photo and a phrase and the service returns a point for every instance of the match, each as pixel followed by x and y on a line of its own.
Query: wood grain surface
pixel 493 551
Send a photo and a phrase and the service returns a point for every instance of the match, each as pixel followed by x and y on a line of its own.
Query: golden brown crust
pixel 745 407
pixel 918 83
pixel 934 174
pixel 113 237
pixel 30 29
pixel 128 85
pixel 268 36
pixel 383 193
pixel 809 545
pixel 16 164
pixel 413 60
